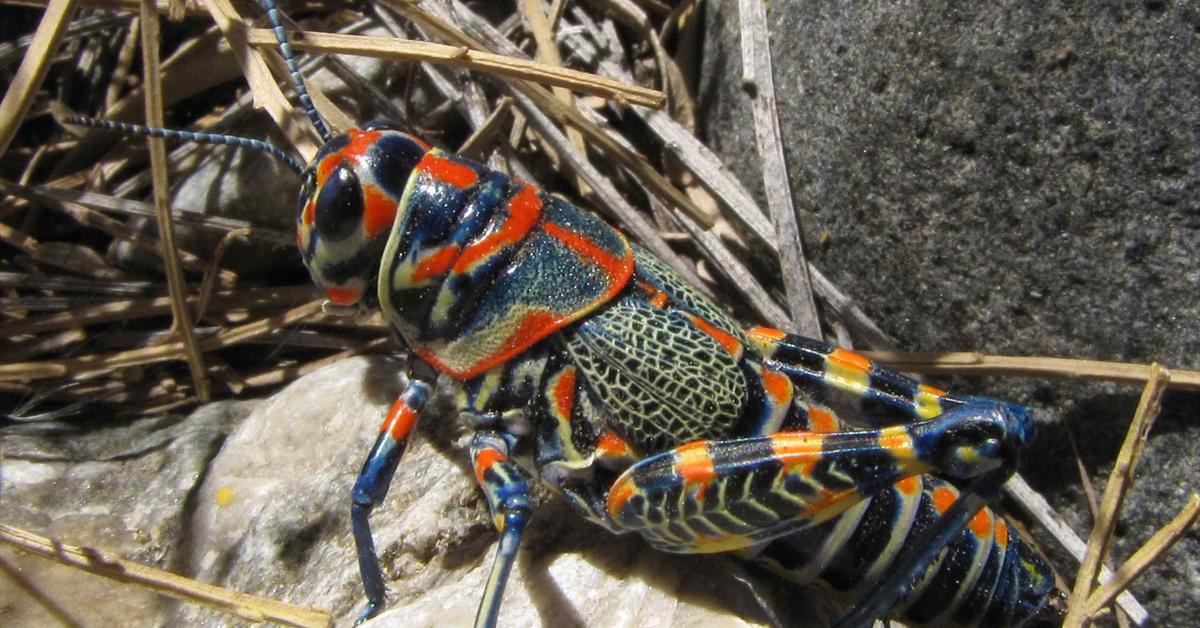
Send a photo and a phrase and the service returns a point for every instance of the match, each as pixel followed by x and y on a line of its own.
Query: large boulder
pixel 272 518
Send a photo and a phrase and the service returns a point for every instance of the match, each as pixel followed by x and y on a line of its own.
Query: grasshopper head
pixel 348 203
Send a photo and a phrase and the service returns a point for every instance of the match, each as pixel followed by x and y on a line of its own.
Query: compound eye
pixel 339 205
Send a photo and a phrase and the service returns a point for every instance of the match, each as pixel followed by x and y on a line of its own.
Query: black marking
pixel 979 597
pixel 339 205
pixel 806 353
pixel 392 160
pixel 864 547
pixel 939 592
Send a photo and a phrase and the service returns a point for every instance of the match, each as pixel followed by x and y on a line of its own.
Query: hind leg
pixel 848 383
pixel 713 496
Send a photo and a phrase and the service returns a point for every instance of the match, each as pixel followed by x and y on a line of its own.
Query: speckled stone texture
pixel 1015 178
pixel 255 496
pixel 272 517
pixel 123 489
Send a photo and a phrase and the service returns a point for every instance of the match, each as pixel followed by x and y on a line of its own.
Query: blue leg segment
pixel 508 498
pixel 372 486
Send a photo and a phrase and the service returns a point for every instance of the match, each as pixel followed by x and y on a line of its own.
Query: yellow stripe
pixel 927 402
pixel 847 375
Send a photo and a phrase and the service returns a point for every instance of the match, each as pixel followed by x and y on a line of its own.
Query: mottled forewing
pixel 663 381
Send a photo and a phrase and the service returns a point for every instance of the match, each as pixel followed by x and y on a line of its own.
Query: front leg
pixel 508 499
pixel 374 479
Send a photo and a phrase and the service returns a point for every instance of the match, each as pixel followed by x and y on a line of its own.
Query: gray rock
pixel 272 518
pixel 1015 179
pixel 124 490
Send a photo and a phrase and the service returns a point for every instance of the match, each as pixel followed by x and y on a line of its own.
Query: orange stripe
pixel 767 333
pixel 400 421
pixel 360 142
pixel 981 524
pixel 895 439
pixel 797 451
pixel 821 420
pixel 829 499
pixel 533 327
pixel 310 212
pixel 527 333
pixel 943 499
pixel 325 168
pixel 778 386
pixel 1002 533
pixel 849 358
pixel 731 344
pixel 564 394
pixel 436 264
pixel 610 444
pixel 694 464
pixel 617 268
pixel 343 295
pixel 447 171
pixel 931 390
pixel 794 444
pixel 909 485
pixel 619 496
pixel 524 209
pixel 379 211
pixel 484 461
pixel 658 298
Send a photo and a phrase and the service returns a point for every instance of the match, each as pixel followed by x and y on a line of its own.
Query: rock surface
pixel 1017 179
pixel 254 496
pixel 126 490
pixel 272 518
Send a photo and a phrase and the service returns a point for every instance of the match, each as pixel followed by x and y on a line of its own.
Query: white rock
pixel 273 519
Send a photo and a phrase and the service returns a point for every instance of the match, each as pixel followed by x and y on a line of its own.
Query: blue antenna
pixel 297 80
pixel 188 136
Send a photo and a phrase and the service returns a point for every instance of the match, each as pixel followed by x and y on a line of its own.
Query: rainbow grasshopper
pixel 646 407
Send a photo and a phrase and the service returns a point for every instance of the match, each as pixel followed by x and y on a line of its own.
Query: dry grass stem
pixel 128 207
pixel 1119 481
pixel 90 364
pixel 182 324
pixel 1157 545
pixel 550 106
pixel 19 95
pixel 211 273
pixel 974 363
pixel 547 53
pixel 267 94
pixel 94 561
pixel 476 146
pixel 1040 511
pixel 757 73
pixel 128 6
pixel 718 179
pixel 461 57
pixel 33 591
pixel 87 217
pixel 129 309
